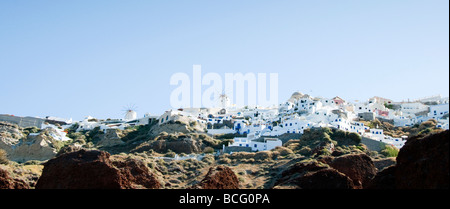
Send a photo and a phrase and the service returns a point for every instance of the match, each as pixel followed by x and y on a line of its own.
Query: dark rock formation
pixel 137 174
pixel 422 163
pixel 92 169
pixel 325 179
pixel 384 179
pixel 220 177
pixel 359 168
pixel 313 175
pixel 185 145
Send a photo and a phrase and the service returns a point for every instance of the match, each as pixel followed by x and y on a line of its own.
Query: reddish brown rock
pixel 137 174
pixel 360 168
pixel 313 175
pixel 7 182
pixel 92 169
pixel 383 180
pixel 220 177
pixel 325 179
pixel 422 163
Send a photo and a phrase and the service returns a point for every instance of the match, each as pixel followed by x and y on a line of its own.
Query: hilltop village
pixel 257 128
pixel 304 142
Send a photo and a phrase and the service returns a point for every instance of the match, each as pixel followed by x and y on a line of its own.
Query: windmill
pixel 130 112
pixel 224 100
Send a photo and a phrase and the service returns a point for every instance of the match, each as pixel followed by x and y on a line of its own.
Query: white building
pixel 256 143
pixel 437 111
pixel 358 127
pixel 411 108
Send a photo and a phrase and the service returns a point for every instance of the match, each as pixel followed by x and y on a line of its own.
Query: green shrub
pixel 305 150
pixel 33 162
pixel 209 159
pixel 426 131
pixel 208 150
pixel 224 160
pixel 389 151
pixel 355 137
pixel 170 153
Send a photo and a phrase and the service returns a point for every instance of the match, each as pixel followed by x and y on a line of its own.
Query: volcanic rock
pixel 422 163
pixel 93 169
pixel 220 177
pixel 313 175
pixel 358 167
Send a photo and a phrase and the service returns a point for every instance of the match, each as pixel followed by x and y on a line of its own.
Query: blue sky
pixel 79 58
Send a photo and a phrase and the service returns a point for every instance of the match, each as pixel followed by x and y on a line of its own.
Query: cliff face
pixel 179 124
pixel 19 148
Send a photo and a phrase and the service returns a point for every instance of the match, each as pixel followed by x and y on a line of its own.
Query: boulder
pixel 422 163
pixel 220 177
pixel 358 167
pixel 313 175
pixel 325 179
pixel 93 169
pixel 385 179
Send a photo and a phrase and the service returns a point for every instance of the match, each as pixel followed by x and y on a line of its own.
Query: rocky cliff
pixel 35 146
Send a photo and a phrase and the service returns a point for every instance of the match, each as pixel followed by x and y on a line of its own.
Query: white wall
pixel 437 111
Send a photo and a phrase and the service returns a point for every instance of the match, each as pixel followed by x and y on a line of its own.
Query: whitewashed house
pixel 358 127
pixel 402 121
pixel 437 111
pixel 88 124
pixel 376 134
pixel 256 143
pixel 443 123
pixel 411 108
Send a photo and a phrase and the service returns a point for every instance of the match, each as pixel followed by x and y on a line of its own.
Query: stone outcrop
pixel 422 163
pixel 178 124
pixel 184 145
pixel 220 177
pixel 40 146
pixel 358 167
pixel 109 139
pixel 34 147
pixel 313 175
pixel 92 169
pixel 178 143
